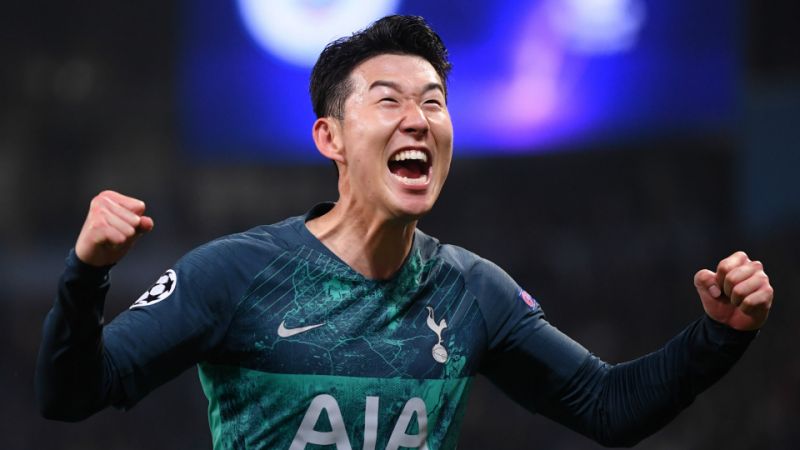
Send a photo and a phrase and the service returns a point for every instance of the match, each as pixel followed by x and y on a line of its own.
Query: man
pixel 349 327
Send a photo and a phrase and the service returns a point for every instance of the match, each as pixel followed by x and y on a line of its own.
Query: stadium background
pixel 607 238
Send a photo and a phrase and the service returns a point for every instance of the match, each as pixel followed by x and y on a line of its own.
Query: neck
pixel 373 246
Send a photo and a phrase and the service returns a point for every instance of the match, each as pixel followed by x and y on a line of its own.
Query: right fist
pixel 113 224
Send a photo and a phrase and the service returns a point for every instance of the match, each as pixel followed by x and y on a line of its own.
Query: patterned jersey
pixel 296 348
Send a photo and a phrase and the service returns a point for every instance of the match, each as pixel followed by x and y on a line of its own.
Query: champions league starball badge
pixel 438 351
pixel 162 289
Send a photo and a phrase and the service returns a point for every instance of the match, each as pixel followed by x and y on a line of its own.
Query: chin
pixel 410 205
pixel 414 211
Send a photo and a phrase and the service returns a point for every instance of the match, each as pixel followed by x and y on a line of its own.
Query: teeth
pixel 412 181
pixel 410 154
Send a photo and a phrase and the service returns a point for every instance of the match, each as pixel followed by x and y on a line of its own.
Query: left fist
pixel 738 294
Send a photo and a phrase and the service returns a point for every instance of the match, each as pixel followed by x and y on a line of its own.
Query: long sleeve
pixel 72 378
pixel 637 398
pixel 619 405
pixel 616 405
pixel 84 365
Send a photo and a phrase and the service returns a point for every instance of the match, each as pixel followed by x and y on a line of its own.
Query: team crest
pixel 439 352
pixel 162 289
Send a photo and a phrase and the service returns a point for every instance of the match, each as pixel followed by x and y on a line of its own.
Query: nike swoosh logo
pixel 289 332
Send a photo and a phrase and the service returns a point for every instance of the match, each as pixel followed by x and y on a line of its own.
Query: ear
pixel 327 133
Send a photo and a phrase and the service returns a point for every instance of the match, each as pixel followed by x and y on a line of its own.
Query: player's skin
pixel 738 294
pixel 398 103
pixel 113 224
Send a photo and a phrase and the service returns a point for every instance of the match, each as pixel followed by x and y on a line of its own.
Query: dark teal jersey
pixel 295 347
pixel 296 350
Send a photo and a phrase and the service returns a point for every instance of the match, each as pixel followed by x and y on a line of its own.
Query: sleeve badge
pixel 163 287
pixel 530 301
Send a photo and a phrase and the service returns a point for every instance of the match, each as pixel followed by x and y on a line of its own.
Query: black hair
pixel 405 35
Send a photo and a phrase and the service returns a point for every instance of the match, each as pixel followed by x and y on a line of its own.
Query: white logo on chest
pixel 439 352
pixel 289 332
pixel 414 410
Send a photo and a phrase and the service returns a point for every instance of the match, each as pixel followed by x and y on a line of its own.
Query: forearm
pixel 622 404
pixel 72 378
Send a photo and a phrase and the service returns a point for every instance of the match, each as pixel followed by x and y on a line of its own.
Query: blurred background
pixel 605 151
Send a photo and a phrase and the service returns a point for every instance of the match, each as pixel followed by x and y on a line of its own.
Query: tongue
pixel 408 168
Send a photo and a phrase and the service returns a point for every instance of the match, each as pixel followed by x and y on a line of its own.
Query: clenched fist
pixel 113 224
pixel 738 294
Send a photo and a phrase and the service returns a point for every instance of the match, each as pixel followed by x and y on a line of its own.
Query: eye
pixel 433 103
pixel 388 100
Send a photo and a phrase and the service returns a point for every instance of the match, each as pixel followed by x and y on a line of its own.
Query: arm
pixel 619 405
pixel 616 405
pixel 72 379
pixel 84 366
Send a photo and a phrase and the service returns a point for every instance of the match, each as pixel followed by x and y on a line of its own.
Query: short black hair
pixel 404 35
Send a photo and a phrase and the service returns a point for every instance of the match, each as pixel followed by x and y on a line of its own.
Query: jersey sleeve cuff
pixel 78 271
pixel 725 335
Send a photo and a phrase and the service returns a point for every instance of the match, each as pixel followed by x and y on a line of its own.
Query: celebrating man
pixel 348 326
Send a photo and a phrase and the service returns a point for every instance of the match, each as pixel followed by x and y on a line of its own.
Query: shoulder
pixel 480 274
pixel 231 262
pixel 223 268
pixel 257 244
pixel 483 279
pixel 457 257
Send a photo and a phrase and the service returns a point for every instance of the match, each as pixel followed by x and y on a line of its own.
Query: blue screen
pixel 527 76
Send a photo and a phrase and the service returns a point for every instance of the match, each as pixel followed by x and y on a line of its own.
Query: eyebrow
pixel 396 87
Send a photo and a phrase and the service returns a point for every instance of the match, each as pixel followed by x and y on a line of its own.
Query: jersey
pixel 296 350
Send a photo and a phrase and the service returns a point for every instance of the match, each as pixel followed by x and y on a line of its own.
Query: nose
pixel 414 121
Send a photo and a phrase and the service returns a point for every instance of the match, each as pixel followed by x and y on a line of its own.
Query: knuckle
pixel 752 300
pixel 95 203
pixel 101 202
pixel 732 277
pixel 754 303
pixel 739 291
pixel 765 301
pixel 96 222
pixel 730 262
pixel 699 276
pixel 746 306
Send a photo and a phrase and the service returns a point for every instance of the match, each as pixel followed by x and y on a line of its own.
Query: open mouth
pixel 410 166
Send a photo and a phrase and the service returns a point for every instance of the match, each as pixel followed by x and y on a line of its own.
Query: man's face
pixel 397 136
